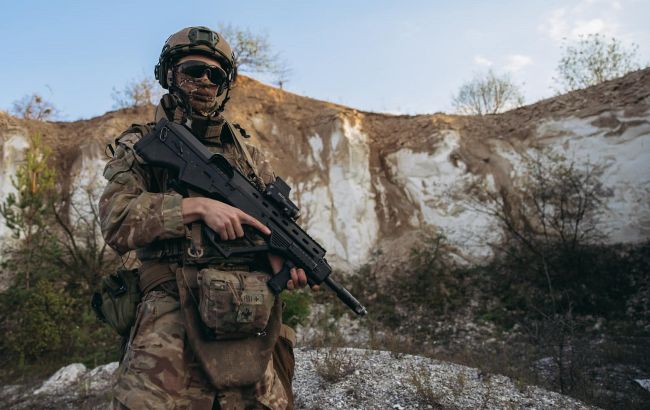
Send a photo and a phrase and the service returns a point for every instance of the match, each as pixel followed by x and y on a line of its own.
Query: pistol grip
pixel 278 283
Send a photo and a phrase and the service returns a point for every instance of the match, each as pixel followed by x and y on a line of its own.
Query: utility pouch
pixel 226 363
pixel 234 304
pixel 117 300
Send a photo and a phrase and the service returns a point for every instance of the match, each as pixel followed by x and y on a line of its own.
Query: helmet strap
pixel 183 107
pixel 222 106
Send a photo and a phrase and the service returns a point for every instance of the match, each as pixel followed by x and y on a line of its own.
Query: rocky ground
pixel 600 365
pixel 329 379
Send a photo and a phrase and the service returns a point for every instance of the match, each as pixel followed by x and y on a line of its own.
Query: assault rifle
pixel 173 146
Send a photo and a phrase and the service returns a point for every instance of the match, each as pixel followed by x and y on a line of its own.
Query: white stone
pixel 100 377
pixel 63 379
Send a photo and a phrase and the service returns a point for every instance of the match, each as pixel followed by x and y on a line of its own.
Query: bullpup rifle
pixel 173 146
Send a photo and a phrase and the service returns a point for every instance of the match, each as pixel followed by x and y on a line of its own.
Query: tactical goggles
pixel 197 69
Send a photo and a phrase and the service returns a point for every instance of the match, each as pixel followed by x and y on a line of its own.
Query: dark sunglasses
pixel 197 69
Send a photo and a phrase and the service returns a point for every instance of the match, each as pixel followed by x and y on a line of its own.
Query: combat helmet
pixel 196 40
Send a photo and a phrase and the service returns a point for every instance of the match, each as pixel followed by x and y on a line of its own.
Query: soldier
pixel 166 365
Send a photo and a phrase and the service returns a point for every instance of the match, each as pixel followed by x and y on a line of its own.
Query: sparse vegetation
pixel 532 312
pixel 439 286
pixel 34 107
pixel 282 73
pixel 27 214
pixel 56 257
pixel 426 395
pixel 335 365
pixel 551 237
pixel 36 322
pixel 593 59
pixel 137 93
pixel 254 53
pixel 488 93
pixel 297 306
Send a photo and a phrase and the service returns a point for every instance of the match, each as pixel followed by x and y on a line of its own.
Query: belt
pixel 175 250
pixel 167 250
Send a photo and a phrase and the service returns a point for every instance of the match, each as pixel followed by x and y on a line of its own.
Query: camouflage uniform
pixel 158 370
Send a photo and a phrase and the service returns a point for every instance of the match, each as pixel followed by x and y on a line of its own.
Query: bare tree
pixel 34 107
pixel 488 93
pixel 83 254
pixel 282 73
pixel 545 260
pixel 557 205
pixel 137 93
pixel 254 54
pixel 592 60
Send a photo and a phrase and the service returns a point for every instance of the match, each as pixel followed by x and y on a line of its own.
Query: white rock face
pixel 356 189
pixel 63 379
pixel 339 206
pixel 625 159
pixel 342 209
pixel 432 183
pixel 88 175
pixel 341 203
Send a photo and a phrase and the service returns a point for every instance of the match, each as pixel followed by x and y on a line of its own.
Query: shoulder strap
pixel 241 146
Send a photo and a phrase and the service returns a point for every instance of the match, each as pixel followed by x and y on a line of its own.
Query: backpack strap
pixel 241 146
pixel 237 133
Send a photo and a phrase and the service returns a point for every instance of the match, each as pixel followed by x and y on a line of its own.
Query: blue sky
pixel 387 56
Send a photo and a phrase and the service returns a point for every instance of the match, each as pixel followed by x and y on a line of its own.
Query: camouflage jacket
pixel 137 208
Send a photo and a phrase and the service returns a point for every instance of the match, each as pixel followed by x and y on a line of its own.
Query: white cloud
pixel 556 26
pixel 585 17
pixel 593 26
pixel 482 61
pixel 516 62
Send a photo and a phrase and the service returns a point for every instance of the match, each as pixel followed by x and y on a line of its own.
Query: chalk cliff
pixel 365 179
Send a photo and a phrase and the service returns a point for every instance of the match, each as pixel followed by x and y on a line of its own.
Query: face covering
pixel 201 92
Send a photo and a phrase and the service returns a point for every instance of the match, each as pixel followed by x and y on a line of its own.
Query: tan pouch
pixel 234 304
pixel 231 362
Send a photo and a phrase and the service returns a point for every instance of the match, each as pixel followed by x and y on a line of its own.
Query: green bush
pixel 56 259
pixel 429 285
pixel 37 322
pixel 297 306
pixel 590 279
pixel 432 279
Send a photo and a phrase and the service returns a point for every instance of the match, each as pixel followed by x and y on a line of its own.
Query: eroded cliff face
pixel 365 180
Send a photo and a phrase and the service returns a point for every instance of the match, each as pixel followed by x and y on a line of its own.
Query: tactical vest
pixel 157 257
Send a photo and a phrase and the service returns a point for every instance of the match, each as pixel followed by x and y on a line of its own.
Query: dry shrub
pixel 426 395
pixel 335 365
